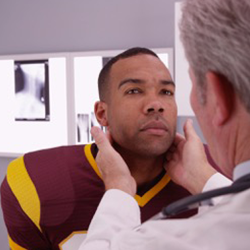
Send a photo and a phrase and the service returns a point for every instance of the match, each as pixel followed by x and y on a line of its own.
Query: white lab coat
pixel 116 226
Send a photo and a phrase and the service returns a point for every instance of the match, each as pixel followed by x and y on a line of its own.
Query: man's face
pixel 141 111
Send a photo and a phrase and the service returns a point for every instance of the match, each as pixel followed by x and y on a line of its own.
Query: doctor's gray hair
pixel 216 37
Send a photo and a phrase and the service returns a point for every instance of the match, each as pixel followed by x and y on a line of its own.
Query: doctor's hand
pixel 114 170
pixel 187 163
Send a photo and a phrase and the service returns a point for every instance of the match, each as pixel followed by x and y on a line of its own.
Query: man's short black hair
pixel 104 74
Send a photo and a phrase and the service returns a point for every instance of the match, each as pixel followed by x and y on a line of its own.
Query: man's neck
pixel 143 168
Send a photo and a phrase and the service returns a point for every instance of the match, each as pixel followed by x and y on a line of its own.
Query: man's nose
pixel 154 106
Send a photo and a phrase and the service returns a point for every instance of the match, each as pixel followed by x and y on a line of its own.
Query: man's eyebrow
pixel 167 82
pixel 139 81
pixel 130 80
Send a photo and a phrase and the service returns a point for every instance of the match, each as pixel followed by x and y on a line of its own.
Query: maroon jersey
pixel 50 196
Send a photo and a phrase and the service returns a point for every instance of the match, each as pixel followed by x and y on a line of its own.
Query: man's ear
pixel 101 113
pixel 220 90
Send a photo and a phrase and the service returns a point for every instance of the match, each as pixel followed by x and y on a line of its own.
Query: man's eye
pixel 133 91
pixel 167 92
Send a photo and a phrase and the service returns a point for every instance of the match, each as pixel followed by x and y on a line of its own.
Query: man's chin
pixel 152 150
pixel 145 148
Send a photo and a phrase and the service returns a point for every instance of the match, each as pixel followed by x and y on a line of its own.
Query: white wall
pixel 73 25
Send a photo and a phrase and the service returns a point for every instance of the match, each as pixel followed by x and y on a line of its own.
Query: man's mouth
pixel 154 128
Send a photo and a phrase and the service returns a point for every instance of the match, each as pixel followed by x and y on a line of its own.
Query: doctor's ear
pixel 101 113
pixel 224 97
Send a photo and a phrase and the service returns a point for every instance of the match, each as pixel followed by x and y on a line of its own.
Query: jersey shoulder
pixel 50 171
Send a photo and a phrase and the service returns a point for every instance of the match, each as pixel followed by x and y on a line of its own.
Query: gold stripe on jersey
pixel 14 246
pixel 141 200
pixel 88 153
pixel 24 190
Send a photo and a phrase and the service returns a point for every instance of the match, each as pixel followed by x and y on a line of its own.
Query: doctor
pixel 216 37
